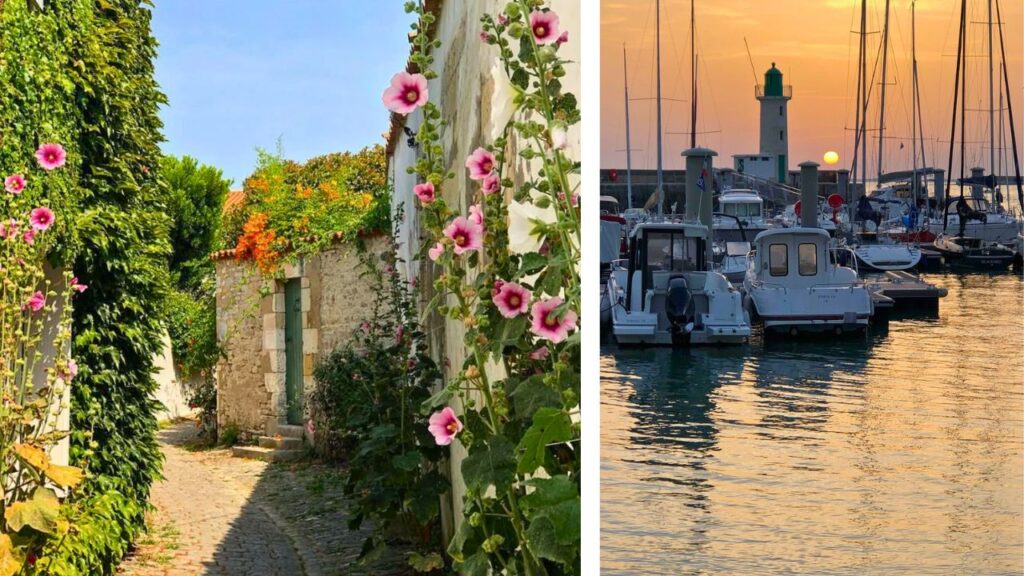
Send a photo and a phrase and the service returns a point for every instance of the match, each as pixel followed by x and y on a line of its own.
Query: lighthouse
pixel 774 98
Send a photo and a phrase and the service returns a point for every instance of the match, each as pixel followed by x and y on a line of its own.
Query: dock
pixel 905 291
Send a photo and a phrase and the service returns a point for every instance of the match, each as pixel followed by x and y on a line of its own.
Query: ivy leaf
pixel 490 464
pixel 428 563
pixel 476 565
pixel 39 513
pixel 532 394
pixel 549 426
pixel 408 461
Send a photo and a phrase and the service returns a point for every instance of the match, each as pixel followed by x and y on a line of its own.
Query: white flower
pixel 559 137
pixel 502 101
pixel 522 218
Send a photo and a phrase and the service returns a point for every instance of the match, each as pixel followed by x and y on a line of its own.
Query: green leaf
pixel 427 563
pixel 476 565
pixel 408 462
pixel 549 426
pixel 441 398
pixel 532 263
pixel 491 464
pixel 542 538
pixel 532 394
pixel 39 513
pixel 549 492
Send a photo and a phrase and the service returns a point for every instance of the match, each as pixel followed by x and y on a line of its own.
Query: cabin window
pixel 778 259
pixel 807 258
pixel 781 132
pixel 780 111
pixel 672 253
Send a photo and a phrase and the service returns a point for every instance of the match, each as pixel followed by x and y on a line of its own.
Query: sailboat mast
pixel 661 179
pixel 991 107
pixel 956 96
pixel 864 95
pixel 881 109
pixel 913 105
pixel 1009 111
pixel 693 77
pixel 629 151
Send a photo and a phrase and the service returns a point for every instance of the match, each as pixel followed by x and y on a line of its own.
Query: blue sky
pixel 241 73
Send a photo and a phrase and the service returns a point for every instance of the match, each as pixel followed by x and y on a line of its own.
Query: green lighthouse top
pixel 773 82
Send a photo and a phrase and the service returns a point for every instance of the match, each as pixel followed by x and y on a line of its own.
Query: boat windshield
pixel 667 251
pixel 742 209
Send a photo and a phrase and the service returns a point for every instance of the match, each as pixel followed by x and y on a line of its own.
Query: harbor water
pixel 899 452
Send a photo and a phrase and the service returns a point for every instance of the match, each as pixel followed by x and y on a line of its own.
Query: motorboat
pixel 740 216
pixel 731 260
pixel 666 292
pixel 878 256
pixel 794 285
pixel 981 221
pixel 974 253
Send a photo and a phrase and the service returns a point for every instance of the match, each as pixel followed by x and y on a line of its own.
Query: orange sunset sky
pixel 811 42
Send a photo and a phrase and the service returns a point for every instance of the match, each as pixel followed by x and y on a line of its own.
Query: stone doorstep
pixel 281 442
pixel 290 431
pixel 267 454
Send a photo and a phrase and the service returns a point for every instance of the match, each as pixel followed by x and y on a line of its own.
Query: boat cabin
pixel 797 257
pixel 743 204
pixel 609 205
pixel 659 252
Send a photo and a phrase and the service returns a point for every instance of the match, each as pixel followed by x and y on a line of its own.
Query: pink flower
pixel 14 183
pixel 544 26
pixel 540 353
pixel 485 37
pixel 406 93
pixel 491 184
pixel 436 251
pixel 51 156
pixel 29 237
pixel 76 286
pixel 512 300
pixel 480 164
pixel 425 192
pixel 476 214
pixel 41 218
pixel 466 234
pixel 69 374
pixel 399 334
pixel 497 287
pixel 546 324
pixel 444 426
pixel 502 19
pixel 36 302
pixel 9 229
pixel 310 427
pixel 563 38
pixel 365 327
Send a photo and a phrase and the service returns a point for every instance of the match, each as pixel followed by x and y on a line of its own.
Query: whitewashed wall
pixel 464 90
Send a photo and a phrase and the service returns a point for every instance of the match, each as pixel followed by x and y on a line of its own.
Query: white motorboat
pixel 885 256
pixel 731 260
pixel 793 284
pixel 740 216
pixel 665 292
pixel 984 223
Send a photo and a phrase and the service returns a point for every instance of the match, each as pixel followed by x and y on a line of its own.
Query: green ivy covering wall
pixel 80 72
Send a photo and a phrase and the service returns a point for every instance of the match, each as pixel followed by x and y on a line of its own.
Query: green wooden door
pixel 293 349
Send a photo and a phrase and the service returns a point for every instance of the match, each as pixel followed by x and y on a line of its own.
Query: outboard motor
pixel 677 302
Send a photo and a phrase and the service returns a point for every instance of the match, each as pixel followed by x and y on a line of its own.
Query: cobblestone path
pixel 222 516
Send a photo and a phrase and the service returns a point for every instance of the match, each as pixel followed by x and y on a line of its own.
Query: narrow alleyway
pixel 222 516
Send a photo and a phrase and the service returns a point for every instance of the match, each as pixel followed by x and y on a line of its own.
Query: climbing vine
pixel 509 274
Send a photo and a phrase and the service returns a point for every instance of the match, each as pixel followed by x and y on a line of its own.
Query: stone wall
pixel 251 390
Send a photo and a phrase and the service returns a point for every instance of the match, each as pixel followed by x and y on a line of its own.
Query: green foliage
pixel 229 435
pixel 80 72
pixel 367 402
pixel 195 200
pixel 292 209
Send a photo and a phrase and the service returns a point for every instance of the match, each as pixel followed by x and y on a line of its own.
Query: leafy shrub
pixel 367 403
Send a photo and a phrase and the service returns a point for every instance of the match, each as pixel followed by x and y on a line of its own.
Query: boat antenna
pixel 952 130
pixel 1009 109
pixel 750 58
pixel 629 152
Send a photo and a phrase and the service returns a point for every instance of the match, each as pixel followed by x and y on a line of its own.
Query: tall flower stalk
pixel 508 272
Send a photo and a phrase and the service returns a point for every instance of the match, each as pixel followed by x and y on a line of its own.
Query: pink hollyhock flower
pixel 480 164
pixel 491 184
pixel 544 26
pixel 546 324
pixel 51 156
pixel 497 287
pixel 485 37
pixel 476 214
pixel 540 353
pixel 76 286
pixel 310 427
pixel 41 218
pixel 512 300
pixel 399 334
pixel 9 229
pixel 36 302
pixel 29 237
pixel 559 138
pixel 411 364
pixel 365 326
pixel 466 234
pixel 444 426
pixel 436 251
pixel 563 38
pixel 406 93
pixel 14 183
pixel 425 192
pixel 70 372
pixel 502 19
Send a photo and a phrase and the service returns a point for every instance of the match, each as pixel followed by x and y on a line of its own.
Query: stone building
pixel 468 78
pixel 274 329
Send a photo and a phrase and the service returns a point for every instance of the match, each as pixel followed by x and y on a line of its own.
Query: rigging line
pixel 952 134
pixel 1009 106
pixel 849 53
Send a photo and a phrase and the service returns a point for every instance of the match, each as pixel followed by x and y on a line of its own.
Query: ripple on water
pixel 900 452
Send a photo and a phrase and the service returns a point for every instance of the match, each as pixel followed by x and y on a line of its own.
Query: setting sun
pixel 831 157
